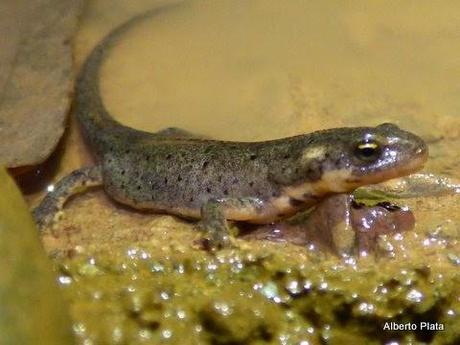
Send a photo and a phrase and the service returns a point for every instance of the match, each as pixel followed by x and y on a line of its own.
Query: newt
pixel 176 172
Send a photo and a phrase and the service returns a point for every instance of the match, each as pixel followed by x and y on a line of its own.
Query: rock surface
pixel 36 77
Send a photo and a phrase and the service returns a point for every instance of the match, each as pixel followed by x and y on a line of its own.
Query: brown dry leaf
pixel 36 77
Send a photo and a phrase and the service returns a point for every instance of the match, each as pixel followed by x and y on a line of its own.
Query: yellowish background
pixel 250 70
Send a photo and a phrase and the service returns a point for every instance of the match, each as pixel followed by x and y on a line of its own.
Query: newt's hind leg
pixel 76 182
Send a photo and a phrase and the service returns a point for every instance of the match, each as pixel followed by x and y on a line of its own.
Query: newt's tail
pixel 98 125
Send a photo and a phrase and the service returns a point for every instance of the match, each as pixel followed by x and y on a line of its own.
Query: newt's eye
pixel 368 150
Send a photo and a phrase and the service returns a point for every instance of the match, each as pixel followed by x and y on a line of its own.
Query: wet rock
pixel 384 218
pixel 341 225
pixel 330 224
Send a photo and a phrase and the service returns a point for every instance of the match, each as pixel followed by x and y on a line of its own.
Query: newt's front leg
pixel 76 182
pixel 214 214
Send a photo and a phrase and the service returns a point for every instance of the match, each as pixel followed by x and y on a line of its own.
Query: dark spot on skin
pixel 252 157
pixel 169 156
pixel 138 187
pixel 308 196
pixel 295 203
pixel 208 190
pixel 314 173
pixel 205 164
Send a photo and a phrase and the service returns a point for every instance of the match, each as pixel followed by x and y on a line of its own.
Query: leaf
pixel 36 78
pixel 31 303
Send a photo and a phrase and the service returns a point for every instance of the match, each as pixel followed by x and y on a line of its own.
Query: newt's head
pixel 342 159
pixel 385 152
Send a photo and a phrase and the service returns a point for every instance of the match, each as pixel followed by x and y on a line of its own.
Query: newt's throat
pixel 334 181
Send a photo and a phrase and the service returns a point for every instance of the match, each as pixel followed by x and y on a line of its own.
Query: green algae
pixel 262 293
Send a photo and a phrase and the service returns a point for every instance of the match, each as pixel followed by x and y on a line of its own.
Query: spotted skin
pixel 177 172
